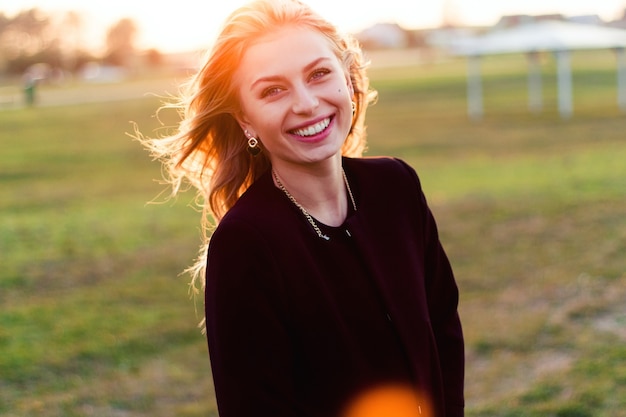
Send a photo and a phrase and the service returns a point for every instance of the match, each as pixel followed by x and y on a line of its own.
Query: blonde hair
pixel 208 151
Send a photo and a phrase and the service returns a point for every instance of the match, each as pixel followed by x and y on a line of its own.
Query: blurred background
pixel 513 113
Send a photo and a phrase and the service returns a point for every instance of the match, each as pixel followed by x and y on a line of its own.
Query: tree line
pixel 33 37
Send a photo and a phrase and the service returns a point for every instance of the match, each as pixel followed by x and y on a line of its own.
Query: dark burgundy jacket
pixel 298 326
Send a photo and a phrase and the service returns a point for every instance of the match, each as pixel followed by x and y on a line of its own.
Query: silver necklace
pixel 303 210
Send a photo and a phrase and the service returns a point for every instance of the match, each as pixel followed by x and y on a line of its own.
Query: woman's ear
pixel 249 134
pixel 247 130
pixel 244 124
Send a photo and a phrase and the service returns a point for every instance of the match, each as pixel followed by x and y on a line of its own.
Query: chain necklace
pixel 303 210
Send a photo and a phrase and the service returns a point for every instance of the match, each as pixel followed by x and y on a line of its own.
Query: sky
pixel 183 25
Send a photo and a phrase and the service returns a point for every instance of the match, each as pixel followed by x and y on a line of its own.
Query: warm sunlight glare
pixel 186 25
pixel 389 401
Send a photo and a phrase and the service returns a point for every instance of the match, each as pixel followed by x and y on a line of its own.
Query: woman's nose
pixel 304 100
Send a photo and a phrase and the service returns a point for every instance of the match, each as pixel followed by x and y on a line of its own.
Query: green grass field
pixel 96 319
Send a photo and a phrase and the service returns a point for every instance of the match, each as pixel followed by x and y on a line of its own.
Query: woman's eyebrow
pixel 307 68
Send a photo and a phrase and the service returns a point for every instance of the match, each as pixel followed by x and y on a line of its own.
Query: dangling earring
pixel 253 144
pixel 353 107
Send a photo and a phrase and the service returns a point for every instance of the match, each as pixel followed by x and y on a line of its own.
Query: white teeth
pixel 314 129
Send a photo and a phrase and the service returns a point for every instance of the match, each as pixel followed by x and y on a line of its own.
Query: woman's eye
pixel 317 74
pixel 271 91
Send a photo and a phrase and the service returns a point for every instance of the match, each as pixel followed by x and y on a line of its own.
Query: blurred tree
pixel 153 58
pixel 25 36
pixel 33 37
pixel 70 36
pixel 120 43
pixel 4 22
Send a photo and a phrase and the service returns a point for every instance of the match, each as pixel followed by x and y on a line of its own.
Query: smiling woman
pixel 301 107
pixel 326 287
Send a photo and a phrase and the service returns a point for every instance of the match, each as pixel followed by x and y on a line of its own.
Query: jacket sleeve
pixel 247 337
pixel 443 298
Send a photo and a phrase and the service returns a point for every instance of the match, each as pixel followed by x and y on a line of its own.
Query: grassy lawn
pixel 96 319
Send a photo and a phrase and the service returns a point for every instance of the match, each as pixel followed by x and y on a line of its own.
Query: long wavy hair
pixel 208 150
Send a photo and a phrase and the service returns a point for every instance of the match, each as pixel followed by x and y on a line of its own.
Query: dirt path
pixel 11 96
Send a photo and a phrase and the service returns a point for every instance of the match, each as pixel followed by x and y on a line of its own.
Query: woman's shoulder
pixel 384 170
pixel 378 164
pixel 257 214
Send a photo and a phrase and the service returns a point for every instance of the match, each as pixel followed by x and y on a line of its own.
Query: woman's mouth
pixel 312 130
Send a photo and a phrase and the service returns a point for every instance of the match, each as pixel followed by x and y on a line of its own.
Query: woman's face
pixel 295 95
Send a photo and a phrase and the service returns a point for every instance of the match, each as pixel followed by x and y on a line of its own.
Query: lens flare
pixel 389 401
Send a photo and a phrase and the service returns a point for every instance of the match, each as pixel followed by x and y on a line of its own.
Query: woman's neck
pixel 320 189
